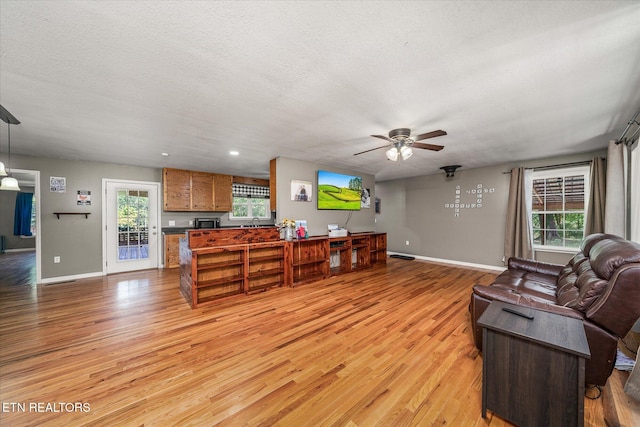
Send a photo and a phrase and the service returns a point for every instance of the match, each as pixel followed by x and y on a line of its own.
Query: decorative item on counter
pixel 337 231
pixel 301 229
pixel 288 225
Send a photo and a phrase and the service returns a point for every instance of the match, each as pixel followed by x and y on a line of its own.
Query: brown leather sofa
pixel 600 285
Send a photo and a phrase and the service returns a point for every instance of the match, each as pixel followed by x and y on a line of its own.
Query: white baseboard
pixel 453 262
pixel 20 250
pixel 71 278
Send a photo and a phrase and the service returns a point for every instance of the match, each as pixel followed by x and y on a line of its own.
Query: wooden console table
pixel 533 369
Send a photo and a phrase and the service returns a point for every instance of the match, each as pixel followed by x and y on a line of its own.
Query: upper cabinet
pixel 202 189
pixel 196 191
pixel 222 193
pixel 177 189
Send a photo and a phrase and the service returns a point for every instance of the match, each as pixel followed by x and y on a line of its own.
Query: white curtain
pixel 635 194
pixel 614 216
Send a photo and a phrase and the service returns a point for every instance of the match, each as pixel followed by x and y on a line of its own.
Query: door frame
pixel 36 194
pixel 104 217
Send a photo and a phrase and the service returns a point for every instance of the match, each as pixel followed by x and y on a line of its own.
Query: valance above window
pixel 251 191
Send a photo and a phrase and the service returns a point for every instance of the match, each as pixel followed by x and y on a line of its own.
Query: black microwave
pixel 207 222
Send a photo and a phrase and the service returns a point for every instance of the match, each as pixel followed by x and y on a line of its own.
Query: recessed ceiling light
pixel 165 154
pixel 234 152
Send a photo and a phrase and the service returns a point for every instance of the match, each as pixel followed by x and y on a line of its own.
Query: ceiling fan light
pixel 3 172
pixel 9 183
pixel 406 152
pixel 392 154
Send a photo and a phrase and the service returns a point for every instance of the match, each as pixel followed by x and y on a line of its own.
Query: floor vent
pixel 408 258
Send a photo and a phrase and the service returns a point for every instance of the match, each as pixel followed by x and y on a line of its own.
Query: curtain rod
pixel 634 120
pixel 561 165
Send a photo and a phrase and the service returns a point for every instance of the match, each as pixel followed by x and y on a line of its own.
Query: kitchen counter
pixel 175 230
pixel 182 230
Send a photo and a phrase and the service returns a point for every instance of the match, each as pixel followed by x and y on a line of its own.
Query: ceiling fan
pixel 402 143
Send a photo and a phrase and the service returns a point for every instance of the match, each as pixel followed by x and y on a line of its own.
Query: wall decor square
pixel 301 191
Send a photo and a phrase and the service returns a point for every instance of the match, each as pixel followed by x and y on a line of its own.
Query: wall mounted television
pixel 338 191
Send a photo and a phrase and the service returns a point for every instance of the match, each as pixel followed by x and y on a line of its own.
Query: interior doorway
pixel 30 179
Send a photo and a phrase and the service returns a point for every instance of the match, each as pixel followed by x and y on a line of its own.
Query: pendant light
pixel 8 182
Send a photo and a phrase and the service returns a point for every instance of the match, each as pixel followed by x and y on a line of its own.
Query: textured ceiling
pixel 123 82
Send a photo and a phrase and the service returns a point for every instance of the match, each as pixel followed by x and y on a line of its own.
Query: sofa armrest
pixel 493 293
pixel 534 266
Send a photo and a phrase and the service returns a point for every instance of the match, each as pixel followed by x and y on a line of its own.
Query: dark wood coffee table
pixel 533 369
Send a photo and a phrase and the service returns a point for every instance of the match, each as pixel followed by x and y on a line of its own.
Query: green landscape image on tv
pixel 339 191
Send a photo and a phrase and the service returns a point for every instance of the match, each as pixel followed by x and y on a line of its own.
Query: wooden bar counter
pixel 225 262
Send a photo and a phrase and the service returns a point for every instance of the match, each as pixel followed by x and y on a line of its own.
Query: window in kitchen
pixel 559 207
pixel 250 201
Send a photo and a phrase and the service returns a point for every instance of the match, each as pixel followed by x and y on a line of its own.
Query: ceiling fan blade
pixel 386 138
pixel 428 135
pixel 362 152
pixel 431 147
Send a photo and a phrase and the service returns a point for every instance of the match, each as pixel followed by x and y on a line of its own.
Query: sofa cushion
pixel 589 241
pixel 536 286
pixel 590 287
pixel 571 266
pixel 580 288
pixel 568 294
pixel 608 255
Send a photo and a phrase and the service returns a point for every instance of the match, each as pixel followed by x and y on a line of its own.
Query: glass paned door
pixel 131 226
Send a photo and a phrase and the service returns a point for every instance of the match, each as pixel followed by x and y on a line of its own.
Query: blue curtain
pixel 22 219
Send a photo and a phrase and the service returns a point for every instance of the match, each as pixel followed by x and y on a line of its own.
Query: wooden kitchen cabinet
pixel 172 250
pixel 195 191
pixel 222 193
pixel 176 189
pixel 202 188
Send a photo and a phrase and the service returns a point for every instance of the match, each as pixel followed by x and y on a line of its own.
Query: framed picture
pixel 377 204
pixel 58 184
pixel 301 229
pixel 365 198
pixel 301 191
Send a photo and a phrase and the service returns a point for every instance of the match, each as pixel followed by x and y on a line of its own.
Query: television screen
pixel 339 191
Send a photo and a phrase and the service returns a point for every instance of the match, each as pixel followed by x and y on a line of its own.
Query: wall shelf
pixel 86 214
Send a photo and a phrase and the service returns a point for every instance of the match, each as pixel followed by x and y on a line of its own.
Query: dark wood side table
pixel 533 369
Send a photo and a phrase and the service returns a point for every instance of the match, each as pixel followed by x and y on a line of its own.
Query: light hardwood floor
pixel 389 346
